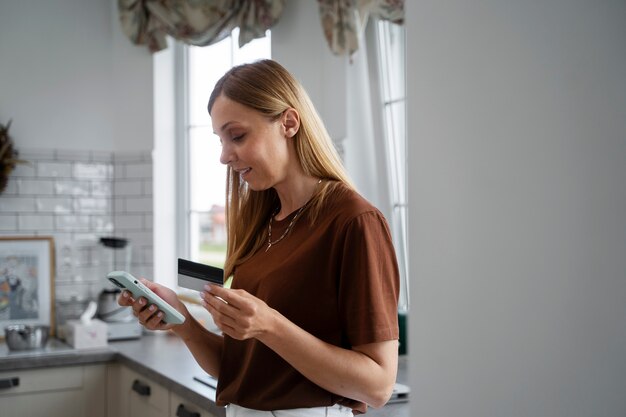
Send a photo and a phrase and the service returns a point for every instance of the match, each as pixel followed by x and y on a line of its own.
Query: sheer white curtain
pixel 372 155
pixel 364 147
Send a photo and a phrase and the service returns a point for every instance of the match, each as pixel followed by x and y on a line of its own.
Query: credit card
pixel 195 276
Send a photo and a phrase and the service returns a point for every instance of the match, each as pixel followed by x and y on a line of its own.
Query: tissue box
pixel 86 335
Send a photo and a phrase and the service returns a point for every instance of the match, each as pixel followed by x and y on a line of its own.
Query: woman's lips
pixel 244 173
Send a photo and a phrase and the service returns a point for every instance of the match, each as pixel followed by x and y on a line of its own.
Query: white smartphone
pixel 126 281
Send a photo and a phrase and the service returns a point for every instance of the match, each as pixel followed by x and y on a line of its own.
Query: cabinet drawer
pixel 40 380
pixel 183 408
pixel 142 390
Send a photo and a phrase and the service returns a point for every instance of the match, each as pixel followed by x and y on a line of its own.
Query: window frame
pixel 183 125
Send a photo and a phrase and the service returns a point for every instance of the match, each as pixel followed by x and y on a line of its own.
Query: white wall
pixel 517 143
pixel 298 43
pixel 70 79
pixel 339 90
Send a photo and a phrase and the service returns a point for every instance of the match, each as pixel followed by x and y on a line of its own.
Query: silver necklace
pixel 289 227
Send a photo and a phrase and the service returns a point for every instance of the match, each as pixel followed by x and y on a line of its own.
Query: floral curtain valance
pixel 344 20
pixel 196 22
pixel 203 22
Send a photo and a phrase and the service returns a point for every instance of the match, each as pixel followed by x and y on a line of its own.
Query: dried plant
pixel 9 156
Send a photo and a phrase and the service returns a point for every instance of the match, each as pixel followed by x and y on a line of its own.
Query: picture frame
pixel 26 281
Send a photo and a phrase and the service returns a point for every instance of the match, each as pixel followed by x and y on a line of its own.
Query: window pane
pixel 396 134
pixel 391 40
pixel 207 175
pixel 208 236
pixel 252 51
pixel 205 66
pixel 204 208
pixel 207 179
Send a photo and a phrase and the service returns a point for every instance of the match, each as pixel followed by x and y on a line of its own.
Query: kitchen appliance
pixel 25 337
pixel 115 254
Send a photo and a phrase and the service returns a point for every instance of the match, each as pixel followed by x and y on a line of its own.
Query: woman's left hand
pixel 237 313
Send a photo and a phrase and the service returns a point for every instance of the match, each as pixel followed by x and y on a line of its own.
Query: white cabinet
pixel 131 394
pixel 74 391
pixel 141 397
pixel 105 390
pixel 183 408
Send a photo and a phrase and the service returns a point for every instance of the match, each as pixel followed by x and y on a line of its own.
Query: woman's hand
pixel 148 314
pixel 237 313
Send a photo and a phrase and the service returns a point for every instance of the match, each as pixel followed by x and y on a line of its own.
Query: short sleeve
pixel 369 281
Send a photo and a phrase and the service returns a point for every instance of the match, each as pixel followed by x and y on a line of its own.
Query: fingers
pixel 147 315
pixel 125 299
pixel 235 312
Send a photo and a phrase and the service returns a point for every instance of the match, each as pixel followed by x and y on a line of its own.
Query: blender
pixel 115 254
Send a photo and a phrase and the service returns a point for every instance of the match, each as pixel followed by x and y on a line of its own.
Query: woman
pixel 309 325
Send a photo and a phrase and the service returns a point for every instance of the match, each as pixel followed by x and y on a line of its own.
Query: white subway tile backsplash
pixel 92 205
pixel 72 187
pixel 54 169
pixel 101 188
pixel 81 256
pixel 102 224
pixel 77 197
pixel 54 204
pixel 148 220
pixel 119 172
pixel 119 205
pixel 129 222
pixel 143 170
pixel 147 187
pixel 95 170
pixel 138 204
pixel 63 276
pixel 128 188
pixel 17 204
pixel 147 254
pixel 72 222
pixel 72 155
pixel 89 274
pixel 27 186
pixel 133 157
pixel 8 222
pixel 86 238
pixel 35 222
pixel 80 289
pixel 11 188
pixel 139 239
pixel 27 170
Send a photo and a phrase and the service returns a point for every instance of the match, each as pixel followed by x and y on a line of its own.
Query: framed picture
pixel 26 281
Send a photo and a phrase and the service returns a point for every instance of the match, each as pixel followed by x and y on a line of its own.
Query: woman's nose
pixel 227 155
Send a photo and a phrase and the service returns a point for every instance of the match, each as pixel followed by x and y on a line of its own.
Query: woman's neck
pixel 295 195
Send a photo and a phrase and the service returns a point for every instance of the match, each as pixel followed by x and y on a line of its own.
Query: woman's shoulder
pixel 346 203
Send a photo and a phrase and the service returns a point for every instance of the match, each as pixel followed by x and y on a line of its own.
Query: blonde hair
pixel 270 89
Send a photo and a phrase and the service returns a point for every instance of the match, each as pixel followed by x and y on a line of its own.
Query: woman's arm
pixel 366 373
pixel 205 346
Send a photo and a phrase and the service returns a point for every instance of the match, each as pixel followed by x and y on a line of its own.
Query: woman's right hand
pixel 148 314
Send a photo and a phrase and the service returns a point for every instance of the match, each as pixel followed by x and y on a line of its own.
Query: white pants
pixel 336 410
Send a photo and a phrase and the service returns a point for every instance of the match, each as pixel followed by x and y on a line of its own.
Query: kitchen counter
pixel 159 356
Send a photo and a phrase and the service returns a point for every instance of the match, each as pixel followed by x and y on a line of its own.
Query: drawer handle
pixel 181 411
pixel 141 388
pixel 9 383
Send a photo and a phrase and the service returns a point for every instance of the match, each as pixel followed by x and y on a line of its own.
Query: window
pixel 391 71
pixel 202 179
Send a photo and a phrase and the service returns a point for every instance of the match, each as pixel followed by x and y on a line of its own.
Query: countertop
pixel 146 356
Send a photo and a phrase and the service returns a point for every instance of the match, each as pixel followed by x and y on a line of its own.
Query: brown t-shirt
pixel 337 279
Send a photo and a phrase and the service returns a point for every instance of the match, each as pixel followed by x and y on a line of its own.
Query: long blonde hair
pixel 270 89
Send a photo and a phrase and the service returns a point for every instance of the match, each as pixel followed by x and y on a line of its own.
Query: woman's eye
pixel 237 138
